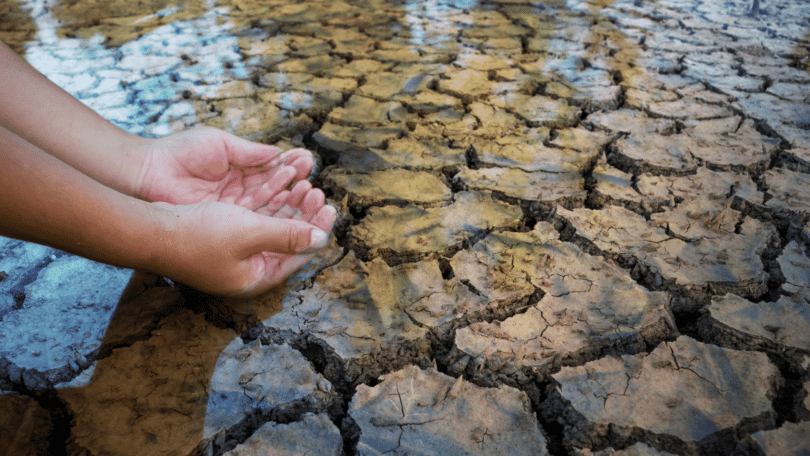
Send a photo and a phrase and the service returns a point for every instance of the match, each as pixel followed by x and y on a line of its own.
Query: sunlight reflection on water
pixel 139 85
pixel 422 18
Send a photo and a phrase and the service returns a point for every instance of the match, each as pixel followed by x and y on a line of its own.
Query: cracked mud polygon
pixel 565 228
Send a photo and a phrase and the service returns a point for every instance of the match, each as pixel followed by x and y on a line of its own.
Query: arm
pixel 204 164
pixel 37 110
pixel 72 180
pixel 215 247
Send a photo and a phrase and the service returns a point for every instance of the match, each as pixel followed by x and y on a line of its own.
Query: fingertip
pixel 325 218
pixel 298 192
pixel 312 203
pixel 301 159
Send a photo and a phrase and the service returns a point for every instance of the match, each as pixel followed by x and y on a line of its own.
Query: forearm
pixel 44 200
pixel 36 109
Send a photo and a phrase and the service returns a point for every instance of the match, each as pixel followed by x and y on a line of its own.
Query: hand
pixel 225 249
pixel 206 164
pixel 252 251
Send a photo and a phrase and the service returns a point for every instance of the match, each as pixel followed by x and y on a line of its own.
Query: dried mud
pixel 565 228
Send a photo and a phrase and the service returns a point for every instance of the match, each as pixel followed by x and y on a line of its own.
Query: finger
pixel 262 194
pixel 254 177
pixel 297 194
pixel 303 164
pixel 297 154
pixel 270 234
pixel 271 208
pixel 242 152
pixel 325 218
pixel 313 201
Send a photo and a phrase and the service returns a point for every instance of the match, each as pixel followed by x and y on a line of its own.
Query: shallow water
pixel 560 202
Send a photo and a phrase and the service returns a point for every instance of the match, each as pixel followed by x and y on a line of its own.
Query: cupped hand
pixel 225 249
pixel 206 165
pixel 243 210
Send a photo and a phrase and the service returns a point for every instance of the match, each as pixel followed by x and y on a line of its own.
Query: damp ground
pixel 565 228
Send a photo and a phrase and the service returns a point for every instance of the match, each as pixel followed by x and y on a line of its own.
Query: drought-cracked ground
pixel 565 228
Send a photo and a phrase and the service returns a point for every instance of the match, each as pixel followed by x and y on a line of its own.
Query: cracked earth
pixel 565 228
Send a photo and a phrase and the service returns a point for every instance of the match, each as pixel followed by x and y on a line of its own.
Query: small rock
pixel 688 108
pixel 51 323
pixel 662 154
pixel 582 139
pixel 494 122
pixel 357 312
pixel 386 86
pixel 482 62
pixel 467 83
pixel 532 155
pixel 614 184
pixel 700 218
pixel 730 261
pixel 363 111
pixel 247 119
pixel 714 189
pixel 345 139
pixel 427 154
pixel 631 121
pixel 538 111
pixel 741 147
pixel 767 106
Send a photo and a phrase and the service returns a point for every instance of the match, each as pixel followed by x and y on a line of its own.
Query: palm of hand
pixel 207 165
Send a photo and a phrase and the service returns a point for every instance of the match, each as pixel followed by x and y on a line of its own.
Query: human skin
pixel 202 207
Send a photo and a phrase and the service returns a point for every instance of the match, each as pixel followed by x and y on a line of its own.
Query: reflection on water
pixel 428 21
pixel 140 85
pixel 155 67
pixel 159 67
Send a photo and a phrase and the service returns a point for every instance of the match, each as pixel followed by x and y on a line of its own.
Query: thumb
pixel 284 236
pixel 242 152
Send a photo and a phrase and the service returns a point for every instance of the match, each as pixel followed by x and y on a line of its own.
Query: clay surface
pixel 425 412
pixel 565 228
pixel 727 386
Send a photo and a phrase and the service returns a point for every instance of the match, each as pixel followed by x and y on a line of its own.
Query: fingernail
pixel 317 240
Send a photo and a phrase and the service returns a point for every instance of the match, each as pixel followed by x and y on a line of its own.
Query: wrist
pixel 161 253
pixel 132 162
